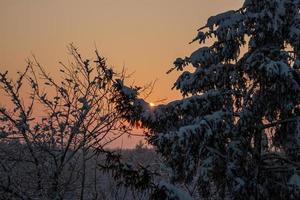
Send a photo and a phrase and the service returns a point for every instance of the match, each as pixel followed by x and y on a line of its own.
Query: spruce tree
pixel 236 131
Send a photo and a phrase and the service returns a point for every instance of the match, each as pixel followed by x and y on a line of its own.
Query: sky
pixel 145 36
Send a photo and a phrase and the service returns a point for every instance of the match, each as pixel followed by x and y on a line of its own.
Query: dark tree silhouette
pixel 48 138
pixel 236 132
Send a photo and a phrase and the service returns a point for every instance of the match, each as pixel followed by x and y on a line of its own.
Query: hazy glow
pixel 145 36
pixel 152 104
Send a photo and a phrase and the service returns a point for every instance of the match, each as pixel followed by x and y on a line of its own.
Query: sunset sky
pixel 145 36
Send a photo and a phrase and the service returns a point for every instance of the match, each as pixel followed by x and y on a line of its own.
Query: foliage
pixel 236 131
pixel 48 139
pixel 144 180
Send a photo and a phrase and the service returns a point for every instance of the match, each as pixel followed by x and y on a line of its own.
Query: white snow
pixel 294 181
pixel 174 192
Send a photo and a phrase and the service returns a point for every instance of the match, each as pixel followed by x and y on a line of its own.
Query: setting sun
pixel 152 104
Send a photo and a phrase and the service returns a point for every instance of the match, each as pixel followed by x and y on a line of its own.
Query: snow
pixel 201 36
pixel 216 20
pixel 229 97
pixel 129 92
pixel 196 103
pixel 294 181
pixel 276 68
pixel 179 63
pixel 297 133
pixel 174 192
pixel 202 57
pixel 239 184
pixel 206 167
pixel 294 31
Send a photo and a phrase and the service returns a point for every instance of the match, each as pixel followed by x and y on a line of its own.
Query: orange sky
pixel 144 35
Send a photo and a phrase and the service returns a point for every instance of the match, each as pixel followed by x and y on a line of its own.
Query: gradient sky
pixel 145 36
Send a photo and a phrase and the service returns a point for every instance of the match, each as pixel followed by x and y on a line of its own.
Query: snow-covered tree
pixel 236 132
pixel 52 130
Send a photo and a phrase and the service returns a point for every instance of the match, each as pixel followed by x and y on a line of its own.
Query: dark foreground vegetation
pixel 18 180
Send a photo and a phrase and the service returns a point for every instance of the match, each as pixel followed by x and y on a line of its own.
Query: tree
pixel 236 132
pixel 51 138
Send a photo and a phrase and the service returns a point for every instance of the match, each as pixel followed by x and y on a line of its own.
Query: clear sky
pixel 144 35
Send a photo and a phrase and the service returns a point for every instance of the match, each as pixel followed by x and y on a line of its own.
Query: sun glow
pixel 152 104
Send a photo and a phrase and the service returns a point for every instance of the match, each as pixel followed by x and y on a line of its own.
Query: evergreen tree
pixel 236 132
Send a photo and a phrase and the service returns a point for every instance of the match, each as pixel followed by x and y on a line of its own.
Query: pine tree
pixel 236 132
